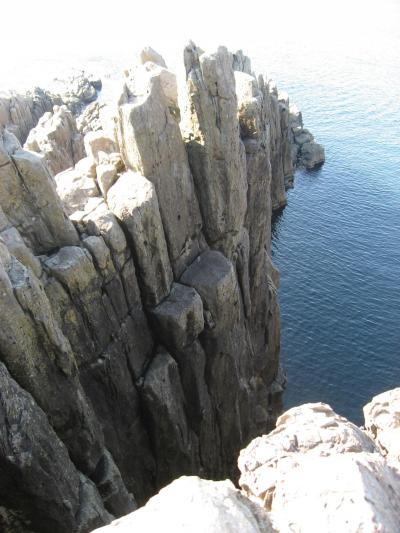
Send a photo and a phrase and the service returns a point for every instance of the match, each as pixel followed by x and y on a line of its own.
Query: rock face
pixel 140 322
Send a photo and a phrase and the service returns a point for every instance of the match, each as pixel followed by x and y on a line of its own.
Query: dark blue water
pixel 337 243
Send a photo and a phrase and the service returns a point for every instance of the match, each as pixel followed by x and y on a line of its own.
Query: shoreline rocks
pixel 315 472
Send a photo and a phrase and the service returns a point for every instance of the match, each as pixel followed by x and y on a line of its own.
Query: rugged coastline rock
pixel 141 322
pixel 21 112
pixel 56 137
pixel 315 472
pixel 305 152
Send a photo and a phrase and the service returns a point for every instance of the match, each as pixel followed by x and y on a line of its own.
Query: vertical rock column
pixel 151 144
pixel 216 152
pixel 254 108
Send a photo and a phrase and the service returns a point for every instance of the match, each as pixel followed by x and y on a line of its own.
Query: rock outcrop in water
pixel 315 472
pixel 140 322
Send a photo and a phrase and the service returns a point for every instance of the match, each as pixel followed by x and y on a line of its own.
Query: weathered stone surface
pixel 227 346
pixel 241 62
pixel 382 421
pixel 91 118
pixel 106 175
pixel 151 144
pixel 196 505
pixel 75 91
pixel 312 429
pixel 37 475
pixel 57 139
pixel 47 369
pixel 311 154
pixel 77 186
pixel 317 471
pixel 179 318
pixel 29 199
pixel 137 405
pixel 349 493
pixel 175 445
pixel 97 143
pixel 134 201
pixel 20 113
pixel 254 118
pixel 17 247
pixel 216 153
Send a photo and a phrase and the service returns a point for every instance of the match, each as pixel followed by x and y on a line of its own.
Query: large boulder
pixel 195 505
pixel 319 472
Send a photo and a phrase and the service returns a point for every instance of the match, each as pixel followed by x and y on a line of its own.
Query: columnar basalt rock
pixel 216 152
pixel 141 320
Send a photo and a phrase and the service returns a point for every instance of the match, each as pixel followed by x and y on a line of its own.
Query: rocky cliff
pixel 316 472
pixel 140 325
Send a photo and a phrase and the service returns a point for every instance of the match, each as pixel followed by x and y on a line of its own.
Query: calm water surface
pixel 337 243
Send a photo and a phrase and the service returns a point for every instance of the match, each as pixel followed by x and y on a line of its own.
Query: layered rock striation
pixel 140 322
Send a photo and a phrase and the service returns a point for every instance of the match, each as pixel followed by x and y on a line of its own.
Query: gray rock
pixel 179 318
pixel 134 201
pixel 98 142
pixel 227 347
pixel 29 199
pixel 175 445
pixel 382 422
pixel 77 186
pixel 151 144
pixel 216 153
pixel 148 54
pixel 38 476
pixel 311 154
